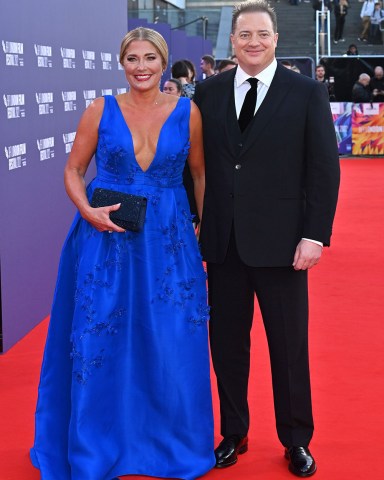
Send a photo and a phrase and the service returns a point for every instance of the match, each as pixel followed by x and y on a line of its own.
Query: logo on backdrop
pixel 106 60
pixel 16 155
pixel 371 108
pixel 89 59
pixel 46 148
pixel 89 96
pixel 13 53
pixel 69 100
pixel 121 90
pixel 43 55
pixel 68 55
pixel 119 66
pixel 106 91
pixel 44 102
pixel 15 105
pixel 68 139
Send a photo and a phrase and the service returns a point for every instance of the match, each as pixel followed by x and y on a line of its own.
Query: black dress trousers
pixel 282 294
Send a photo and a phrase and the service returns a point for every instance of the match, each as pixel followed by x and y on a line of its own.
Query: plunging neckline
pixel 131 137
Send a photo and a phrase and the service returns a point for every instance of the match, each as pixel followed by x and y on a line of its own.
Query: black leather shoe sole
pixel 292 469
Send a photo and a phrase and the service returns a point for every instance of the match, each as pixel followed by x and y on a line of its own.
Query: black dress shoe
pixel 226 453
pixel 301 462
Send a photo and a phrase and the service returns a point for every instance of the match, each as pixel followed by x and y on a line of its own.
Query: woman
pixel 172 87
pixel 191 71
pixel 340 11
pixel 181 72
pixel 125 385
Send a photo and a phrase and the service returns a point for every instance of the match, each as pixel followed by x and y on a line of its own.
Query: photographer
pixel 329 83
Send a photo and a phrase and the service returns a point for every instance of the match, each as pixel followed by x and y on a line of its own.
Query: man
pixel 320 73
pixel 271 193
pixel 328 83
pixel 365 15
pixel 226 64
pixel 207 66
pixel 361 92
pixel 377 19
pixel 376 84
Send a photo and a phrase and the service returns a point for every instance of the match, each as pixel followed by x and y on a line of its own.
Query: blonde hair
pixel 150 35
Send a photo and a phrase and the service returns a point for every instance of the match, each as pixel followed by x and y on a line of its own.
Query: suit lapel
pixel 226 105
pixel 233 133
pixel 276 93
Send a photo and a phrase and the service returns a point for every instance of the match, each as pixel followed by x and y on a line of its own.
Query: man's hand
pixel 307 255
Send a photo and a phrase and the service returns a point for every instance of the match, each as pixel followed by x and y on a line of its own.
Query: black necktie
pixel 248 108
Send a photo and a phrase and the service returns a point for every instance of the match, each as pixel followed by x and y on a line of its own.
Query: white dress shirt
pixel 242 86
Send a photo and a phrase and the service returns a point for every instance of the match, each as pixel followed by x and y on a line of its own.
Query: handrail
pixel 323 28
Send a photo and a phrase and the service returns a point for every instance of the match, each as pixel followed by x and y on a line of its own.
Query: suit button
pixel 240 144
pixel 238 166
pixel 231 195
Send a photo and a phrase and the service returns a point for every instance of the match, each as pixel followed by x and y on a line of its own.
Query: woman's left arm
pixel 196 157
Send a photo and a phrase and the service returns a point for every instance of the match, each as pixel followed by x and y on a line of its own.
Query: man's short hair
pixel 225 62
pixel 252 7
pixel 209 59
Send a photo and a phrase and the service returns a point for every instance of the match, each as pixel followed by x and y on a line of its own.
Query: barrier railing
pixel 323 38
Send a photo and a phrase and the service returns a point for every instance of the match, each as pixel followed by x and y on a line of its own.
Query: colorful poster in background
pixel 368 129
pixel 342 120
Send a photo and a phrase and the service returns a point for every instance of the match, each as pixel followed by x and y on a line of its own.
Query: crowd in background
pixel 371 14
pixel 372 18
pixel 366 88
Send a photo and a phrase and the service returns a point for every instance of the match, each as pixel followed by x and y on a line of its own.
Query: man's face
pixel 204 66
pixel 320 73
pixel 254 41
pixel 379 73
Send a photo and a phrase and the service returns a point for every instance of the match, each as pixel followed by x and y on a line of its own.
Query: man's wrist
pixel 314 241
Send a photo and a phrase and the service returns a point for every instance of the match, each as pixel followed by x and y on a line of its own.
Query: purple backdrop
pixel 54 59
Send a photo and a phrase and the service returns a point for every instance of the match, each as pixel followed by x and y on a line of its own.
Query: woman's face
pixel 191 76
pixel 143 65
pixel 171 88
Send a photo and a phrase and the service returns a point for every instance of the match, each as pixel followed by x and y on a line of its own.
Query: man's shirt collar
pixel 265 76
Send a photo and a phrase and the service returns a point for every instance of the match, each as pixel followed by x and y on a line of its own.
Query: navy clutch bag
pixel 130 215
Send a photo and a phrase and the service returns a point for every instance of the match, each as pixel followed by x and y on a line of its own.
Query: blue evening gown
pixel 125 386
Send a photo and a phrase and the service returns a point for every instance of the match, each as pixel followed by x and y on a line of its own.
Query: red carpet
pixel 347 338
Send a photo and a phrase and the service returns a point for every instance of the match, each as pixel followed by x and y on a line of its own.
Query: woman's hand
pixel 99 218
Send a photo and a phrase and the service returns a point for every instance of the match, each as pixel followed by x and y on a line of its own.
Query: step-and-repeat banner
pixel 55 58
pixel 359 128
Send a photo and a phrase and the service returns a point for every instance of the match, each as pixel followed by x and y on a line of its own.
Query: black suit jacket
pixel 278 182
